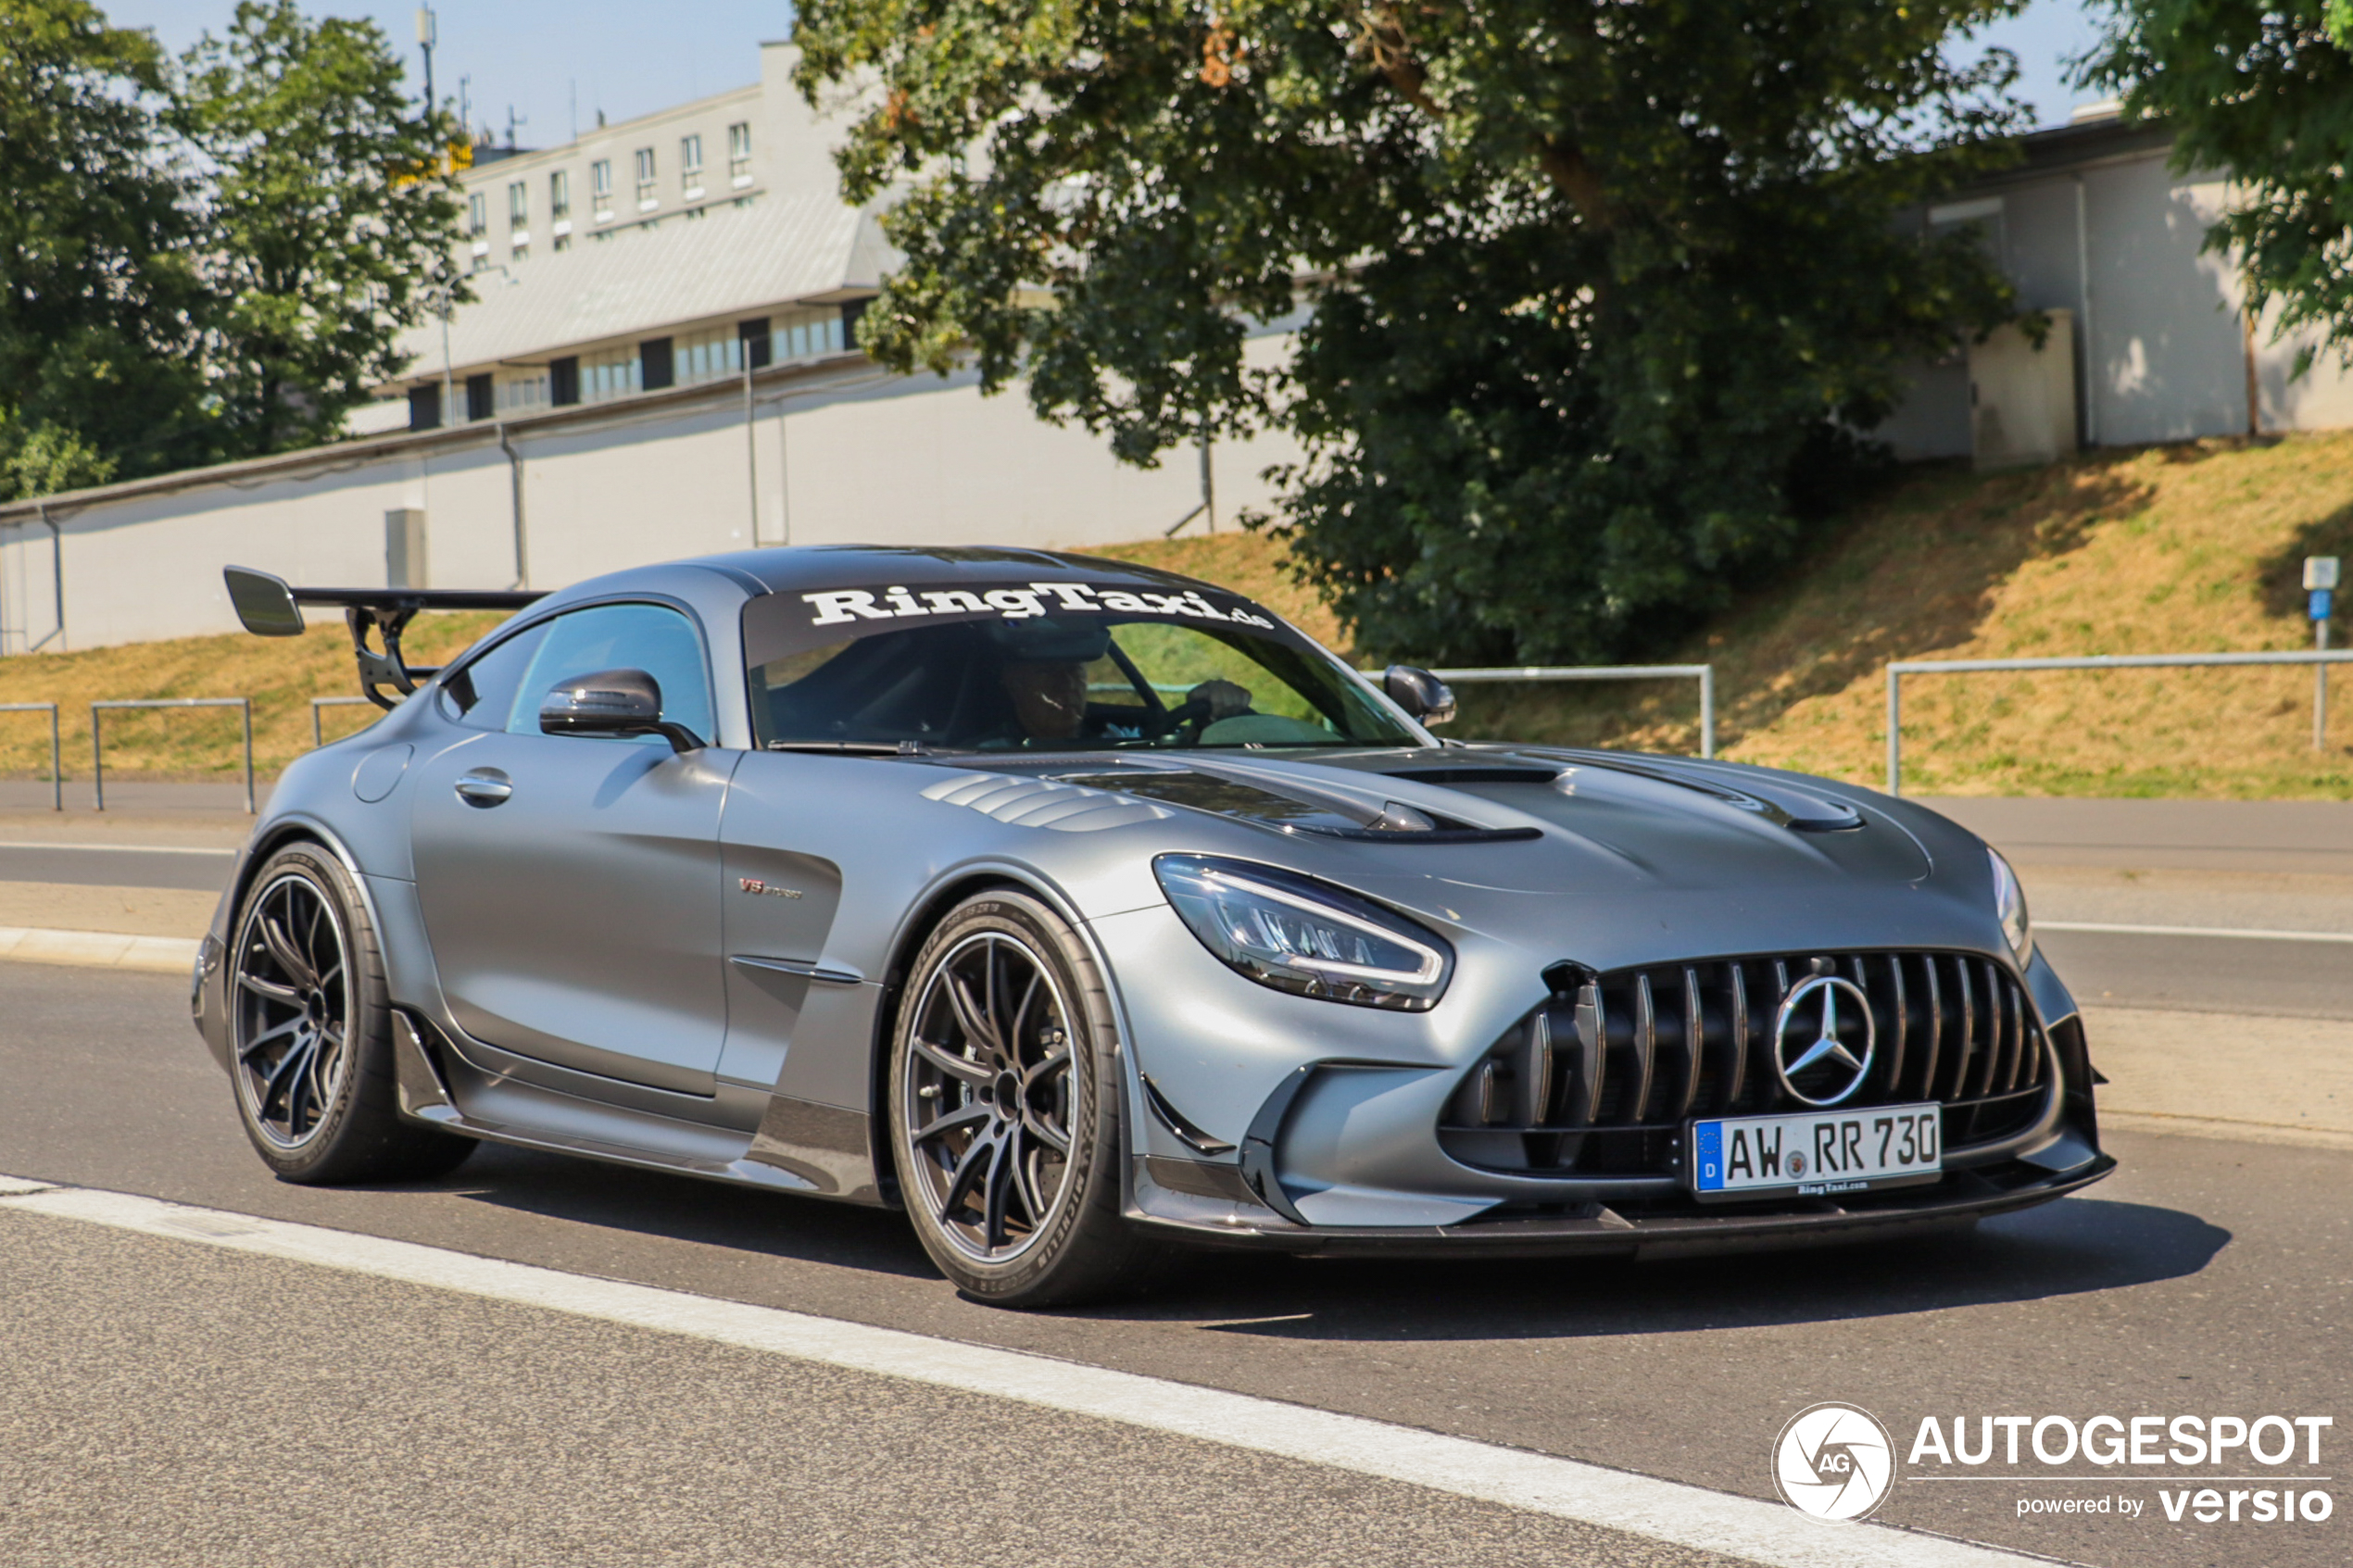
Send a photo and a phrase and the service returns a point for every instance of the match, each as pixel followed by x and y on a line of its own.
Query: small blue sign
pixel 2321 603
pixel 1708 1145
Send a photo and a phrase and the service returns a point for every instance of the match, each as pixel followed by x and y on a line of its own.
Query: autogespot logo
pixel 1834 1462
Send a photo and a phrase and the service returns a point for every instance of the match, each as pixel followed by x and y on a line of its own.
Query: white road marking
pixel 1668 1511
pixel 112 848
pixel 2250 934
pixel 99 950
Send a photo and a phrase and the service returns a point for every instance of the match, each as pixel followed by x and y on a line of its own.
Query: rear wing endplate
pixel 270 606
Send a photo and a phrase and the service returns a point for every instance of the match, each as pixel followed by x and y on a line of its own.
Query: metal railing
pixel 2099 661
pixel 98 747
pixel 318 736
pixel 1703 673
pixel 56 777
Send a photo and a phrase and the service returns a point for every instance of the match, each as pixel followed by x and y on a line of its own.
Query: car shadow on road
pixel 653 1203
pixel 2065 1249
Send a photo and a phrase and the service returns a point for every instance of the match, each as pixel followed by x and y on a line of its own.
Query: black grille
pixel 1600 1080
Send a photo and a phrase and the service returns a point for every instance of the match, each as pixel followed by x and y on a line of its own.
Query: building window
pixel 655 364
pixel 477 215
pixel 560 193
pixel 523 393
pixel 563 242
pixel 519 205
pixel 645 177
pixel 802 335
pixel 424 407
pixel 478 398
pixel 739 154
pixel 563 380
pixel 600 187
pixel 711 354
pixel 690 165
pixel 611 372
pixel 754 343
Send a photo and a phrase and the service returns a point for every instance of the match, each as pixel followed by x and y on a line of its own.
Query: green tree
pixel 1592 290
pixel 97 293
pixel 2265 93
pixel 328 216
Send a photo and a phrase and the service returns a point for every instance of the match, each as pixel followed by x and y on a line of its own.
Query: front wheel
pixel 1004 1111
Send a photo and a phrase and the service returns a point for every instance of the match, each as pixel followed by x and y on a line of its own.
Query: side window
pixel 482 694
pixel 650 637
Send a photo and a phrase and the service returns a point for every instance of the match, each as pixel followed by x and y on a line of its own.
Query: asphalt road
pixel 210 1403
pixel 2205 974
pixel 113 865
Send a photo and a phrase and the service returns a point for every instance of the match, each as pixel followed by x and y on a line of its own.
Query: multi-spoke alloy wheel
pixel 991 1095
pixel 1004 1119
pixel 310 1030
pixel 292 1001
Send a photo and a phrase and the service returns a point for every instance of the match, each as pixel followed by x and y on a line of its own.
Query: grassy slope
pixel 2193 548
pixel 2189 547
pixel 280 676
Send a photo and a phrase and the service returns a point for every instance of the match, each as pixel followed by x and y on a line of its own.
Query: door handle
pixel 484 787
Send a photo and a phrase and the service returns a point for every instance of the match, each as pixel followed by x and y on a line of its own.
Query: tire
pixel 310 1033
pixel 1008 1218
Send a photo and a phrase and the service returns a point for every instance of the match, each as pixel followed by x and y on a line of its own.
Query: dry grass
pixel 281 676
pixel 2192 547
pixel 2186 548
pixel 1248 563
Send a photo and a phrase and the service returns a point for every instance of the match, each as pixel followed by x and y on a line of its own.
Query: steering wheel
pixel 1188 719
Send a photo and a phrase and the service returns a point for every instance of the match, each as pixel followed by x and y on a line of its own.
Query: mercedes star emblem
pixel 1831 1069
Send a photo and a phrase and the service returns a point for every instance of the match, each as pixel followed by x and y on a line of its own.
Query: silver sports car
pixel 1087 912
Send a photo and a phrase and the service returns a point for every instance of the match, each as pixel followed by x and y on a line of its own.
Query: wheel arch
pixel 923 918
pixel 296 830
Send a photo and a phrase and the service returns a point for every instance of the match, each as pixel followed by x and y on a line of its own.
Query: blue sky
pixel 628 58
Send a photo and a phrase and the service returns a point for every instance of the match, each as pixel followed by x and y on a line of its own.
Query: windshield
pixel 975 677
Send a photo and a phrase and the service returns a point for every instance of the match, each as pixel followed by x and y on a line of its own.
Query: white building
pixel 658 363
pixel 2095 228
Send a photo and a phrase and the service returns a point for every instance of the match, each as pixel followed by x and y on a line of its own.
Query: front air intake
pixel 1600 1080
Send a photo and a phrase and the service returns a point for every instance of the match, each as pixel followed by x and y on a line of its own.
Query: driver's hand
pixel 1223 699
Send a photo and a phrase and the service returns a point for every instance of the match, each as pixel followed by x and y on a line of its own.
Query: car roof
pixel 802 567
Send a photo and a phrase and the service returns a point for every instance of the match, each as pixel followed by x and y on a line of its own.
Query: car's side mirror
pixel 1422 695
pixel 265 605
pixel 612 702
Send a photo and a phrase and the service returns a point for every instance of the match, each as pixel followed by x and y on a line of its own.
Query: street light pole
pixel 428 35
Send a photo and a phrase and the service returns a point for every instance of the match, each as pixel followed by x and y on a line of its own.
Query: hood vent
pixel 1294 813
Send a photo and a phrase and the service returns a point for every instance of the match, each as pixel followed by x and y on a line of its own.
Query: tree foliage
pixel 98 295
pixel 202 259
pixel 324 230
pixel 1586 285
pixel 2265 92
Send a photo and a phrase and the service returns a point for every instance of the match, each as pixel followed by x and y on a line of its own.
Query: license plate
pixel 1815 1152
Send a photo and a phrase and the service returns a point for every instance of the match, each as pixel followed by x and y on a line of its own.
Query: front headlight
pixel 2009 903
pixel 1304 937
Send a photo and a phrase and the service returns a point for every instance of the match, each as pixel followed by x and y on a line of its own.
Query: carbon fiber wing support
pixel 270 606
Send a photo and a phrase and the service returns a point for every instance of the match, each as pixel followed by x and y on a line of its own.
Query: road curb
pixel 99 950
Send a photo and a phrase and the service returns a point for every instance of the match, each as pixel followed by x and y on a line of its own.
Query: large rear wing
pixel 270 606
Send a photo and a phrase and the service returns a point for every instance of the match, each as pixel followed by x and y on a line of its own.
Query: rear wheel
pixel 1004 1111
pixel 310 1033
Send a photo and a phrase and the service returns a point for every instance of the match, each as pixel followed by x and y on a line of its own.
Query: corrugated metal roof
pixel 782 248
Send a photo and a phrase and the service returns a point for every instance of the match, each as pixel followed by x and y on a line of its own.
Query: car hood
pixel 1615 857
pixel 1544 819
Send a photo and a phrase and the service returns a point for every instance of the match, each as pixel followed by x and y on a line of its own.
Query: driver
pixel 1044 677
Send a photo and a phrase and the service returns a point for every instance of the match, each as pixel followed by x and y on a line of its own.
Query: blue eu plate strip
pixel 1707 1149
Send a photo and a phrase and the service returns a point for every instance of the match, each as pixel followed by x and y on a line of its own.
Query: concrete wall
pixel 842 455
